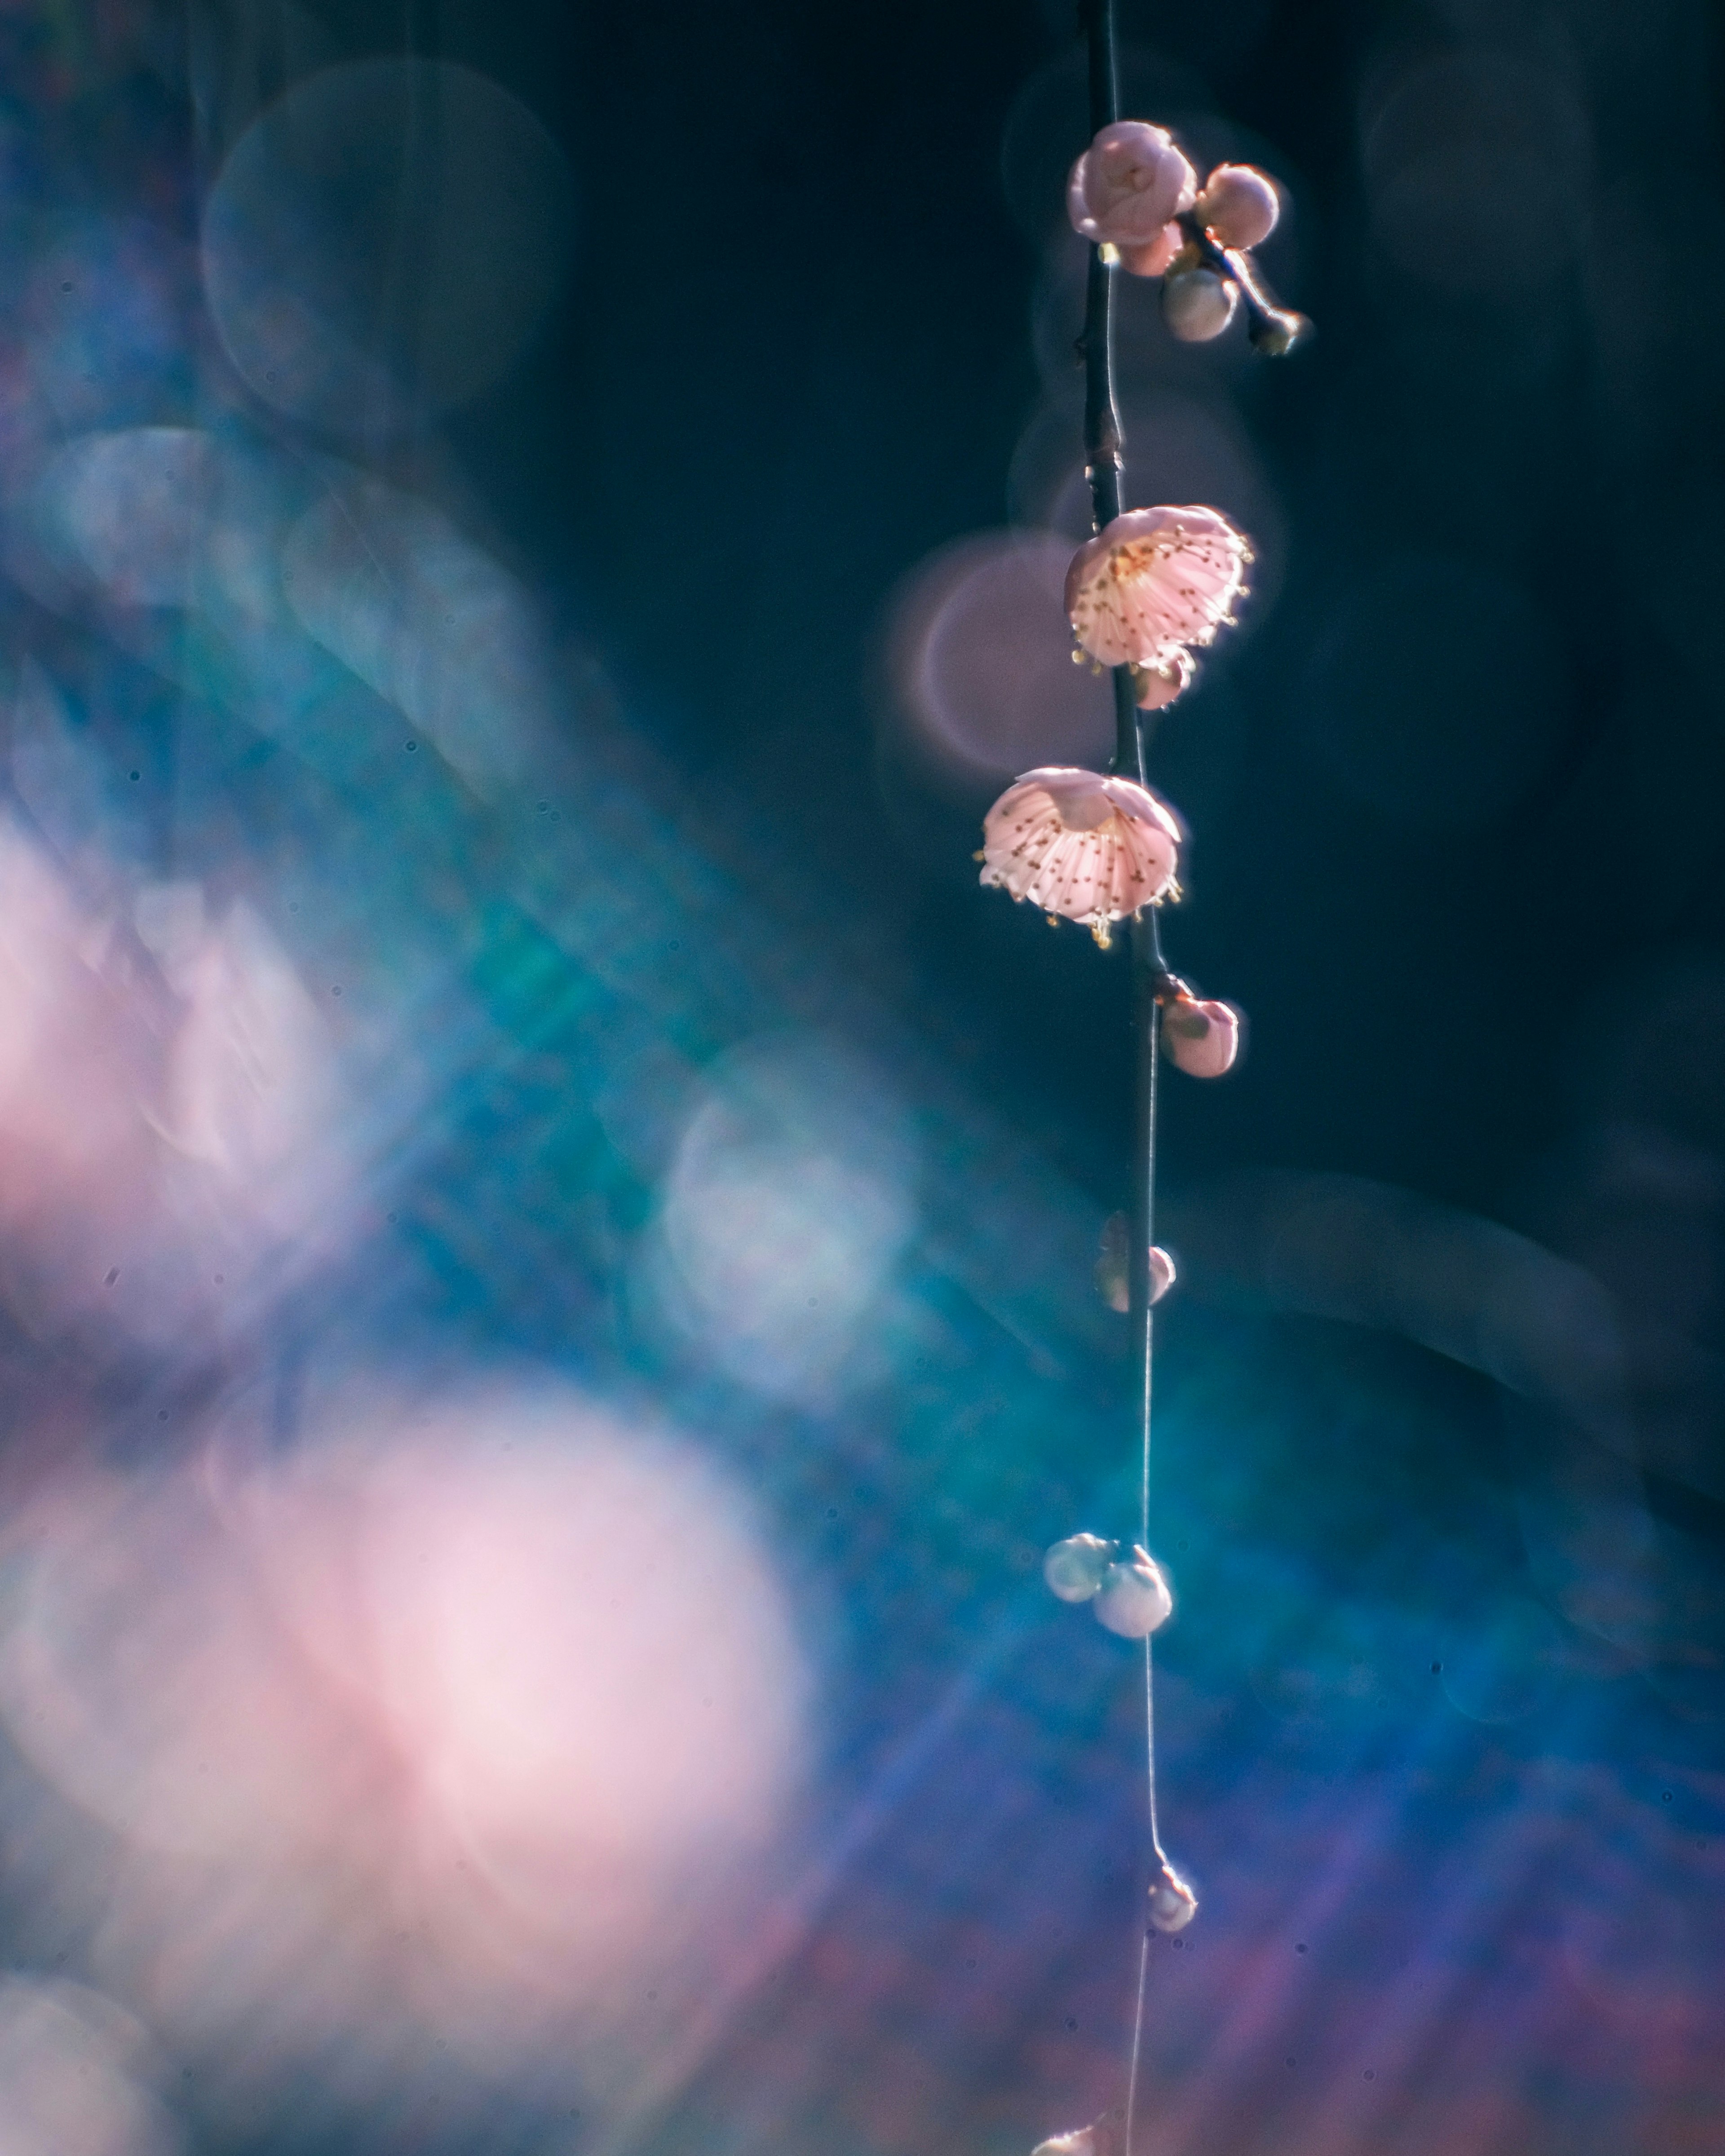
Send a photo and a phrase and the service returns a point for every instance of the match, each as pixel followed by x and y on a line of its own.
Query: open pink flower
pixel 1201 1039
pixel 1153 582
pixel 1091 849
pixel 1128 184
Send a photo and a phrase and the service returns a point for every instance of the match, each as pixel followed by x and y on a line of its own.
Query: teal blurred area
pixel 548 1226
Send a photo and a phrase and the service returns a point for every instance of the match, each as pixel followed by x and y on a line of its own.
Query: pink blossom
pixel 1153 581
pixel 1134 1598
pixel 1075 844
pixel 1201 1039
pixel 1239 206
pixel 1128 184
pixel 1151 259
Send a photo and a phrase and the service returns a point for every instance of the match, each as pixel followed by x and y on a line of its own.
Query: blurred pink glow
pixel 75 2076
pixel 168 1110
pixel 468 1721
pixel 981 657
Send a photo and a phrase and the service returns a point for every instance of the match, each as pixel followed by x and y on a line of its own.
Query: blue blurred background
pixel 546 1224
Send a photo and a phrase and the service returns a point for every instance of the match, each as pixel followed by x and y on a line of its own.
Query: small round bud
pixel 1173 1903
pixel 1075 1567
pixel 1153 686
pixel 1113 1278
pixel 1133 1598
pixel 1201 1039
pixel 1196 304
pixel 1239 206
pixel 1151 259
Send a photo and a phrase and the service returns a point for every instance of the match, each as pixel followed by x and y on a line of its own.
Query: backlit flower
pixel 1153 582
pixel 1128 184
pixel 1239 206
pixel 1075 844
pixel 1201 1039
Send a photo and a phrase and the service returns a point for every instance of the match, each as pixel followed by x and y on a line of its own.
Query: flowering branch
pixel 1148 587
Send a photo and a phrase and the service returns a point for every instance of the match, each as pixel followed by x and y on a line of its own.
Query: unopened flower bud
pixel 1075 1567
pixel 1151 259
pixel 1133 1598
pixel 1153 686
pixel 1196 304
pixel 1112 1279
pixel 1128 184
pixel 1201 1039
pixel 1239 206
pixel 1173 1903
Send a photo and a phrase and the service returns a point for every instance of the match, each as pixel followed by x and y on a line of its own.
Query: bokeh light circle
pixel 789 1200
pixel 381 243
pixel 981 657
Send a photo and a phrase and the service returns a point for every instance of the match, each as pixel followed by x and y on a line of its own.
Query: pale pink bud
pixel 1134 1598
pixel 1128 184
pixel 1113 1276
pixel 1074 1569
pixel 1077 845
pixel 1196 304
pixel 1153 581
pixel 1173 1903
pixel 1201 1039
pixel 1153 686
pixel 1151 259
pixel 1239 206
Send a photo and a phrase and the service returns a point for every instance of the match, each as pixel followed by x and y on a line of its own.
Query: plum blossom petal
pixel 1134 1598
pixel 1153 582
pixel 1151 259
pixel 1239 206
pixel 1128 184
pixel 1201 1039
pixel 1075 844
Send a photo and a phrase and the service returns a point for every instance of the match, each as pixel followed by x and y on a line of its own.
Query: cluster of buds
pixel 1128 1592
pixel 1133 193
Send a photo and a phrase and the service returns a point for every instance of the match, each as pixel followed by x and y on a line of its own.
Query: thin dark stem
pixel 1104 442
